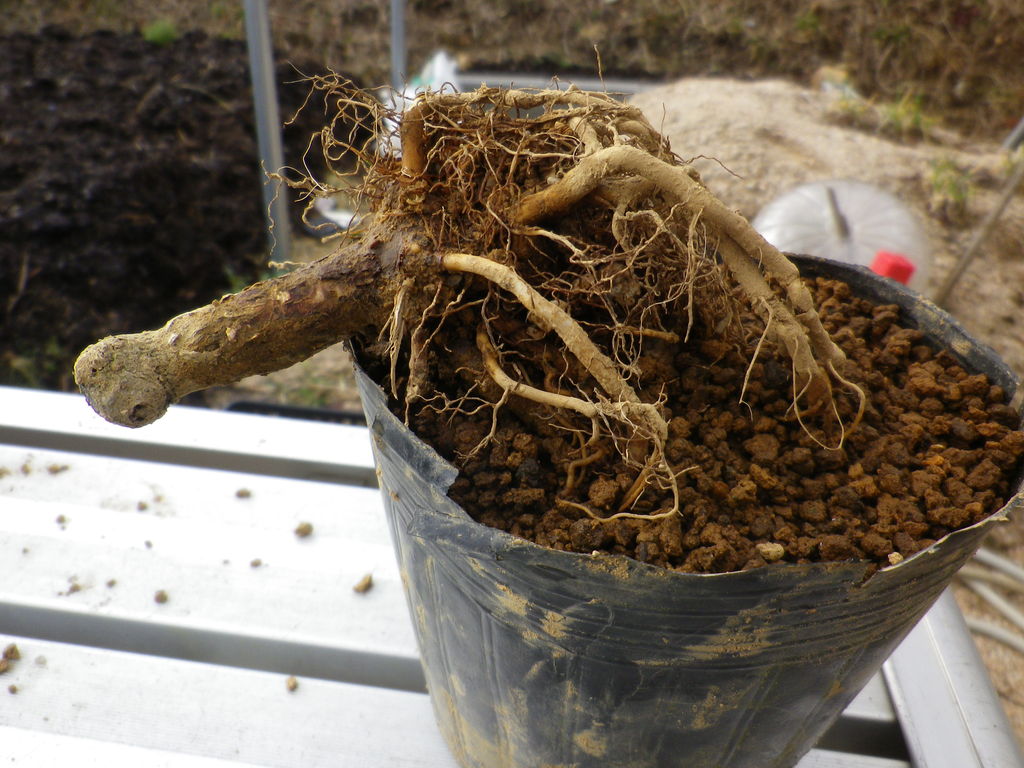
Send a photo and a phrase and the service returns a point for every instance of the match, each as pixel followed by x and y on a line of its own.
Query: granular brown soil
pixel 937 450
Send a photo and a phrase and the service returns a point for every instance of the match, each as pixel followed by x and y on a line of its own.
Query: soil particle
pixel 938 450
pixel 762 447
pixel 771 551
pixel 586 535
pixel 603 492
pixel 984 476
pixel 834 547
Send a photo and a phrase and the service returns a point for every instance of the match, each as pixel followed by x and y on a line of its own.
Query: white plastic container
pixel 852 222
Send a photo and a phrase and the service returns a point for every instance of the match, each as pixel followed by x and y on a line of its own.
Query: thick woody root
pixel 132 379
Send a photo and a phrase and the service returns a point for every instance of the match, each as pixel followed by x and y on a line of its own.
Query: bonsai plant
pixel 675 491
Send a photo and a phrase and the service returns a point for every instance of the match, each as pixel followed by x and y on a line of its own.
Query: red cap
pixel 894 265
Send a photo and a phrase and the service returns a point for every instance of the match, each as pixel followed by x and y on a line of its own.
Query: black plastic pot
pixel 535 657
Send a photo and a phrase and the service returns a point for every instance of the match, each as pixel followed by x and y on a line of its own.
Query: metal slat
pixel 399 76
pixel 611 85
pixel 942 696
pixel 194 437
pixel 868 725
pixel 102 707
pixel 36 749
pixel 180 710
pixel 189 642
pixel 823 758
pixel 197 539
pixel 268 125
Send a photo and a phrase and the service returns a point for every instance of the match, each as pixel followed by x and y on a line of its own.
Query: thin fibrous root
pixel 784 326
pixel 592 411
pixel 510 385
pixel 627 406
pixel 577 464
pixel 396 332
pixel 862 398
pixel 617 516
pixel 413 129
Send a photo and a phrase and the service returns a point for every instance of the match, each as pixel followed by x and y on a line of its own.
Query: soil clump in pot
pixel 930 456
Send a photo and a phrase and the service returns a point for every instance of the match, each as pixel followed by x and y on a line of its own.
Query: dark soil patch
pixel 937 451
pixel 957 61
pixel 129 187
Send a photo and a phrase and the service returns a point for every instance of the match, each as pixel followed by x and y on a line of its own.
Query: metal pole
pixel 981 234
pixel 948 711
pixel 1016 136
pixel 268 125
pixel 398 45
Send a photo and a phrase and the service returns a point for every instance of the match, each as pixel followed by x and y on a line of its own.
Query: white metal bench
pixel 96 519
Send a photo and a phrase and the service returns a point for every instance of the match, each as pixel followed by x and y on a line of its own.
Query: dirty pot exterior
pixel 538 658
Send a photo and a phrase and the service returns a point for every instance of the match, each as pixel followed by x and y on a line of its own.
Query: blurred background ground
pixel 129 189
pixel 958 59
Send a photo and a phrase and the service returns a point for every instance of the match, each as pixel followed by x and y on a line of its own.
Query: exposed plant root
pixel 495 411
pixel 132 379
pixel 539 396
pixel 413 137
pixel 775 313
pixel 574 466
pixel 395 329
pixel 764 311
pixel 634 491
pixel 617 516
pixel 603 257
pixel 653 333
